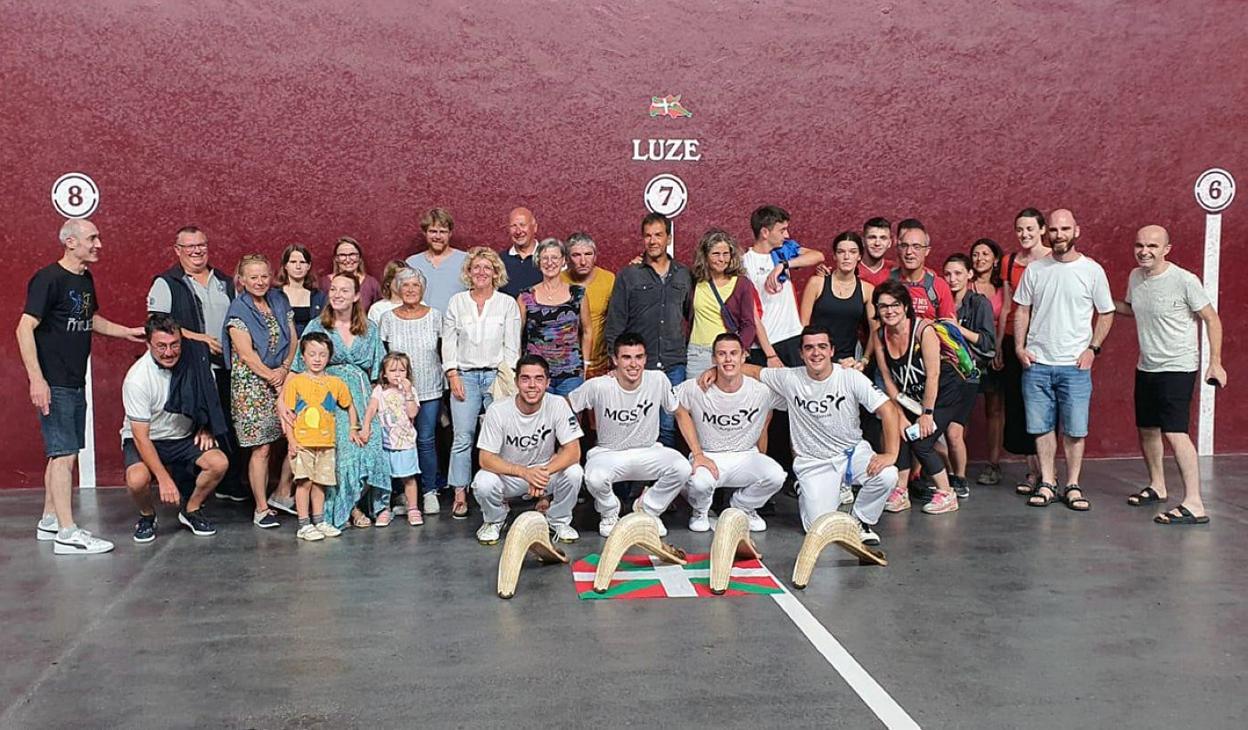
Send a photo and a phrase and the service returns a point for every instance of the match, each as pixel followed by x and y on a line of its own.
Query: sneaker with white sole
pixel 328 530
pixel 941 503
pixel 197 523
pixel 229 497
pixel 606 524
pixel 564 533
pixel 898 500
pixel 265 520
pixel 700 521
pixel 77 541
pixel 283 505
pixel 310 533
pixel 847 494
pixel 431 506
pixel 868 535
pixel 757 524
pixel 145 528
pixel 489 533
pixel 47 528
pixel 640 506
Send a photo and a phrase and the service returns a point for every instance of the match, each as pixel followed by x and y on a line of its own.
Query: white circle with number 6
pixel 1215 189
pixel 75 195
pixel 666 195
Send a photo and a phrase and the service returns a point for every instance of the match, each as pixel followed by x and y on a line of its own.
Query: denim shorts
pixel 1057 392
pixel 65 427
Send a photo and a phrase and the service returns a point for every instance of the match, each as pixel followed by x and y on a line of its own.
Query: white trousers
pixel 821 480
pixel 604 467
pixel 755 476
pixel 492 490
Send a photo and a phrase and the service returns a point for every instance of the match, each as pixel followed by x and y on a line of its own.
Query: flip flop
pixel 1147 495
pixel 1184 517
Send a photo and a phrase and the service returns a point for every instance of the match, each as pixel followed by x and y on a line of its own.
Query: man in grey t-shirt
pixel 439 262
pixel 1167 302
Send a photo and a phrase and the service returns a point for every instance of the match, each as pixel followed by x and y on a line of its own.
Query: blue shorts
pixel 403 463
pixel 1057 392
pixel 65 427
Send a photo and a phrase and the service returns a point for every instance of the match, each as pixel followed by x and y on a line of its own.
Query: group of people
pixel 681 380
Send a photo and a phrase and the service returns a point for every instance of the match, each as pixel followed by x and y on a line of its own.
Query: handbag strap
pixel 729 322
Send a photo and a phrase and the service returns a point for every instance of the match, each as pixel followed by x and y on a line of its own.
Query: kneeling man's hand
pixel 168 491
pixel 879 463
pixel 537 477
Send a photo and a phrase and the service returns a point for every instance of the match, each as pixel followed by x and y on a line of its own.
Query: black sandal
pixel 1147 495
pixel 1071 501
pixel 1184 517
pixel 1026 487
pixel 1042 500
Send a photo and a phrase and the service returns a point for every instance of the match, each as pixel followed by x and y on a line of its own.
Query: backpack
pixel 928 283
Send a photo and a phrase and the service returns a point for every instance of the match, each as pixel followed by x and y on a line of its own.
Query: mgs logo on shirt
pixel 734 420
pixel 629 415
pixel 819 406
pixel 529 442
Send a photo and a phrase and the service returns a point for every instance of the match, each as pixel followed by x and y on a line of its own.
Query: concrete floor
pixel 999 616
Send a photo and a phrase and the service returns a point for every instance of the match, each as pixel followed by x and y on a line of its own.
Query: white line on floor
pixel 675 583
pixel 876 697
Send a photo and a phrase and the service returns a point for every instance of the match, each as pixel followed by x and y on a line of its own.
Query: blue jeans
pixel 667 422
pixel 1057 392
pixel 65 427
pixel 427 443
pixel 564 385
pixel 464 420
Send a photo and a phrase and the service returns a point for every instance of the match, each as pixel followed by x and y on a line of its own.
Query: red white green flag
pixel 646 576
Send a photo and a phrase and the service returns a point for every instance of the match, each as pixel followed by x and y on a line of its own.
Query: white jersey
pixel 627 419
pixel 1062 296
pixel 532 439
pixel 823 414
pixel 728 422
pixel 780 313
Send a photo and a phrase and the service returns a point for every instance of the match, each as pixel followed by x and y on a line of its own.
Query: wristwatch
pixel 1096 349
pixel 928 411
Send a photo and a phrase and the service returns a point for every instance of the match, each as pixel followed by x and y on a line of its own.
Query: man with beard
pixel 1056 345
pixel 929 292
pixel 157 444
pixel 530 448
pixel 522 271
pixel 725 427
pixel 583 271
pixel 439 262
pixel 1167 302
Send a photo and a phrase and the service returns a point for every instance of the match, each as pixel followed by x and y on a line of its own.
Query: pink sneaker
pixel 941 503
pixel 414 518
pixel 898 499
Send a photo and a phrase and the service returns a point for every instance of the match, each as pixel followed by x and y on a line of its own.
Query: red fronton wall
pixel 276 121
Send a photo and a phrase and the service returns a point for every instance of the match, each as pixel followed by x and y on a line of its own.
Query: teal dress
pixel 359 467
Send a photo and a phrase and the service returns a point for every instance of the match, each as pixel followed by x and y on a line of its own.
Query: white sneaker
pixel 564 533
pixel 328 530
pixel 431 503
pixel 640 506
pixel 310 533
pixel 47 528
pixel 78 541
pixel 868 536
pixel 847 494
pixel 283 505
pixel 700 521
pixel 757 524
pixel 606 524
pixel 489 533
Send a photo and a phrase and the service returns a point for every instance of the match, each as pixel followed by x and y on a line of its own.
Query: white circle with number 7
pixel 1215 189
pixel 666 195
pixel 75 195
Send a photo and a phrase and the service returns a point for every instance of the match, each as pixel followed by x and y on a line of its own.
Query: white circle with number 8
pixel 1215 189
pixel 666 195
pixel 75 195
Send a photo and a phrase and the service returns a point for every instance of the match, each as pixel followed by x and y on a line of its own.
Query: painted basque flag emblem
pixel 646 576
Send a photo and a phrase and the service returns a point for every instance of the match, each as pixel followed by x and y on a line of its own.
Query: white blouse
pixel 472 340
pixel 418 339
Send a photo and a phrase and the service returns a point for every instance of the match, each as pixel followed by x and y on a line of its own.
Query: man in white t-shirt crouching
pixel 823 399
pixel 530 447
pixel 626 404
pixel 726 429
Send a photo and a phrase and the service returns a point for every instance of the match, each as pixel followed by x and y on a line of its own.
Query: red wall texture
pixel 271 121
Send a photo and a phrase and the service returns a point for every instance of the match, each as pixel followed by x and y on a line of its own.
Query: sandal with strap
pixel 1042 500
pixel 1027 486
pixel 1078 504
pixel 359 519
pixel 1184 517
pixel 1147 495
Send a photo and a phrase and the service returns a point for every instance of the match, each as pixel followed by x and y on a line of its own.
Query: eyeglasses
pixel 192 246
pixel 889 305
pixel 911 246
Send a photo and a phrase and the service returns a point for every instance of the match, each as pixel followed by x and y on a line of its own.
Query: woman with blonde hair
pixel 259 343
pixel 480 334
pixel 349 259
pixel 723 299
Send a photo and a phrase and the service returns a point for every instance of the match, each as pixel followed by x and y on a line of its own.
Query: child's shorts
pixel 317 465
pixel 403 463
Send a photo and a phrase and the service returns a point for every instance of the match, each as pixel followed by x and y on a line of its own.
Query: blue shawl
pixel 244 308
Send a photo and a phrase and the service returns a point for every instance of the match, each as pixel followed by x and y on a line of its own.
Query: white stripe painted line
pixel 1208 393
pixel 675 583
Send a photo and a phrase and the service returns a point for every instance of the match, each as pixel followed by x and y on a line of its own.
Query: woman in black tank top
pixel 840 302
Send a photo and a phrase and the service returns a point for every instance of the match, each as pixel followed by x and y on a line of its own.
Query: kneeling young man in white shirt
pixel 626 405
pixel 726 429
pixel 530 447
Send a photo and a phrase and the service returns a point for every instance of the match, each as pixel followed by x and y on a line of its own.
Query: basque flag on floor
pixel 646 576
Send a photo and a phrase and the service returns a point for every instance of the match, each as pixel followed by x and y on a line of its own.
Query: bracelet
pixel 773 355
